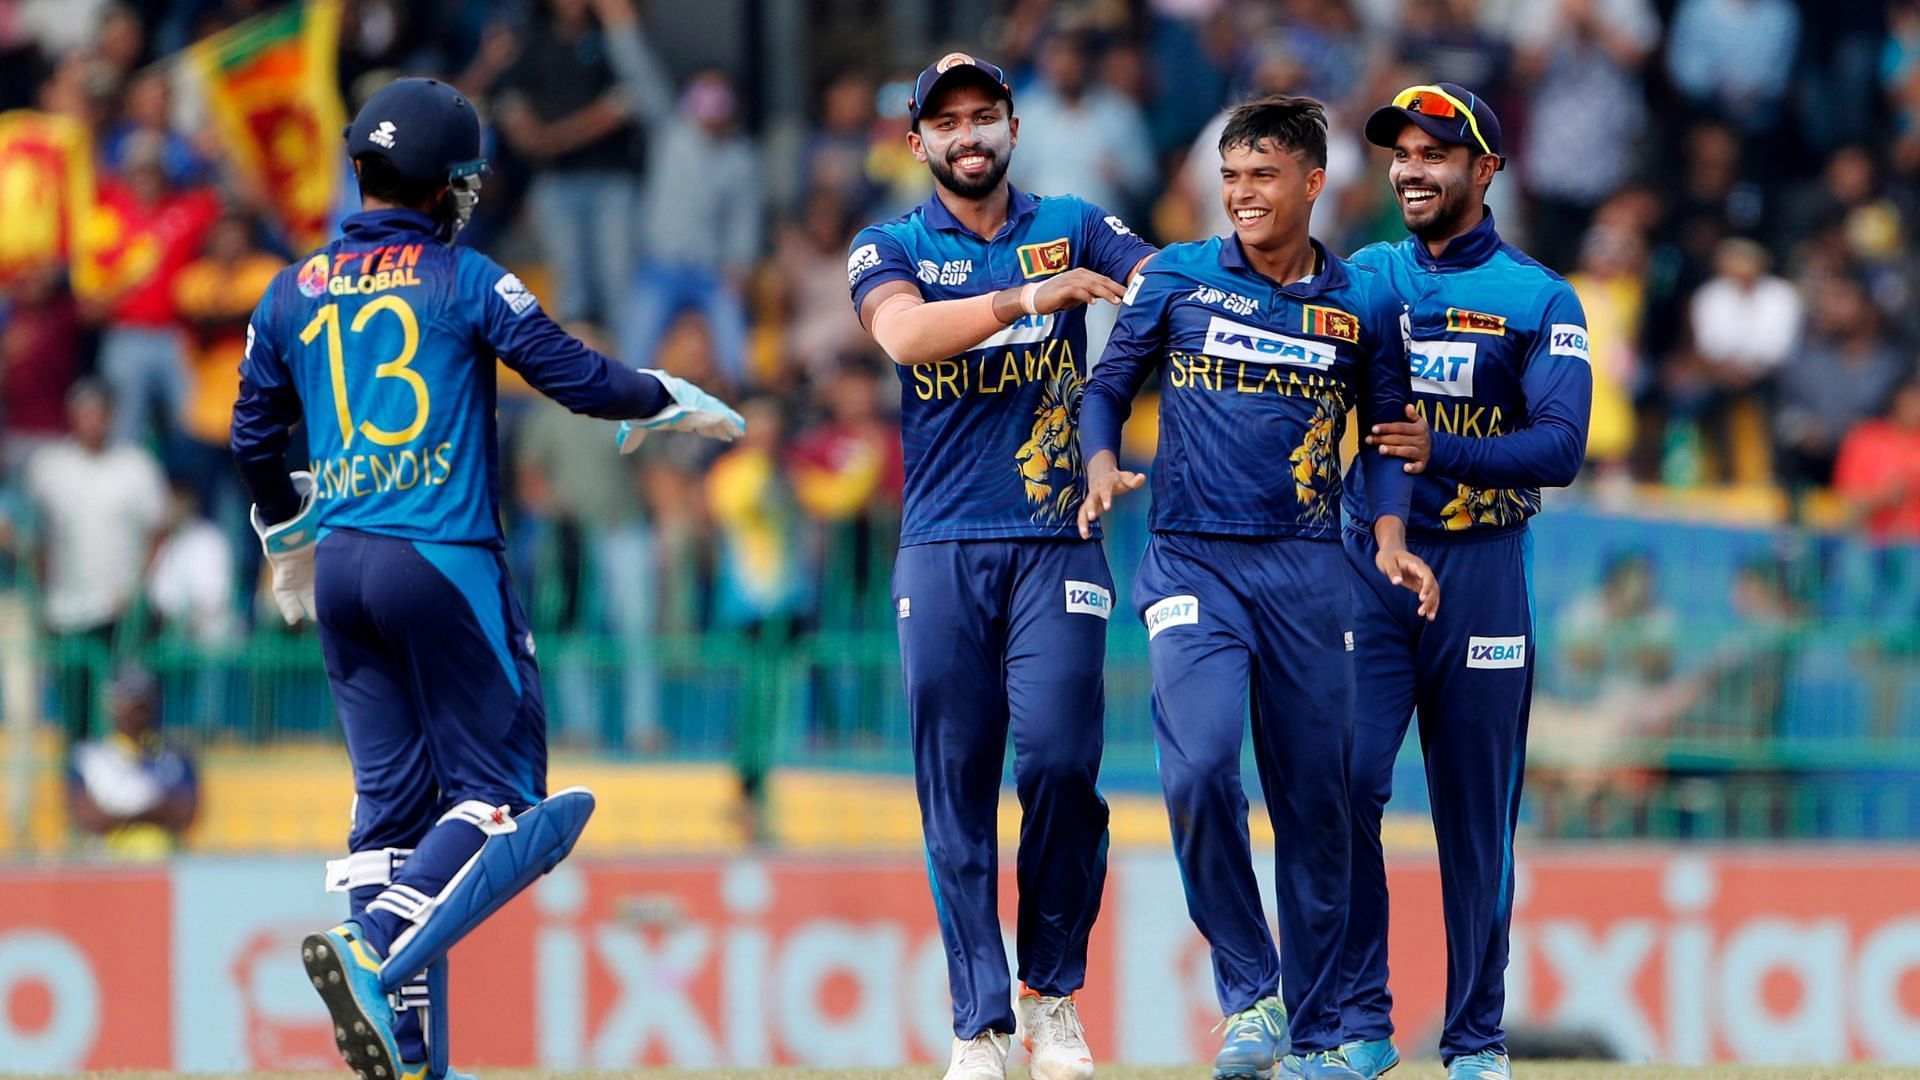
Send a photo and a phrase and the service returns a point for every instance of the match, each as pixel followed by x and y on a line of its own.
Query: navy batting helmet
pixel 430 134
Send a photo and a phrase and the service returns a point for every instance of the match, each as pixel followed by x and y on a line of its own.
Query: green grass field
pixel 1410 1071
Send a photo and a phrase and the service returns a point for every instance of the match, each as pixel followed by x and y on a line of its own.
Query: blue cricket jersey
pixel 989 436
pixel 1498 351
pixel 1259 377
pixel 384 342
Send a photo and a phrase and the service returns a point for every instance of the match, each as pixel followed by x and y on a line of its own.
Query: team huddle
pixel 1272 585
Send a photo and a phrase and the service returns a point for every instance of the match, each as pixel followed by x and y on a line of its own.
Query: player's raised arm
pixel 1135 349
pixel 561 366
pixel 913 330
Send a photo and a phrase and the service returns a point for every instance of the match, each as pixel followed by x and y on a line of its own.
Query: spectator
pixel 1730 59
pixel 1078 136
pixel 1444 41
pixel 131 790
pixel 1745 323
pixel 41 348
pixel 160 230
pixel 215 295
pixel 100 504
pixel 147 117
pixel 1573 53
pixel 587 502
pixel 1618 642
pixel 834 162
pixel 1611 286
pixel 701 210
pixel 563 110
pixel 849 466
pixel 190 584
pixel 1878 472
pixel 1846 373
pixel 821 327
pixel 757 579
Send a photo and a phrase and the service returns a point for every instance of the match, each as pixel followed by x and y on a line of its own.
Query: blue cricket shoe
pixel 1320 1065
pixel 346 972
pixel 1485 1065
pixel 1370 1057
pixel 1256 1039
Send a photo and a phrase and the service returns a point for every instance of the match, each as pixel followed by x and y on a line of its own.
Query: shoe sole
pixel 354 1032
pixel 1246 1074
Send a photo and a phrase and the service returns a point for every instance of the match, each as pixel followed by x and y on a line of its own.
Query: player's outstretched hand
pixel 1104 481
pixel 1410 571
pixel 693 409
pixel 1074 288
pixel 1412 440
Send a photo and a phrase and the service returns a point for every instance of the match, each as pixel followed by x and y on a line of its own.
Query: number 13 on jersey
pixel 327 319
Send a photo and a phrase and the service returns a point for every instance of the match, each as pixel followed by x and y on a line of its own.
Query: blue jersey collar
pixel 374 226
pixel 1332 273
pixel 1470 248
pixel 1020 206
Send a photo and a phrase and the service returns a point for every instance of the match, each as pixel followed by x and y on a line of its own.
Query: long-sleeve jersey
pixel 384 342
pixel 1498 350
pixel 1259 377
pixel 988 437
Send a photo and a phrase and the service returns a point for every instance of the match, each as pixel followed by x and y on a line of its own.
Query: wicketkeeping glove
pixel 693 409
pixel 289 548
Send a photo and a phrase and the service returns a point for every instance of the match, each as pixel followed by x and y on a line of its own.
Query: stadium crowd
pixel 1732 186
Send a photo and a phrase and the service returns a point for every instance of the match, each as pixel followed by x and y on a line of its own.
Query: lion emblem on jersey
pixel 1316 464
pixel 1486 506
pixel 1049 461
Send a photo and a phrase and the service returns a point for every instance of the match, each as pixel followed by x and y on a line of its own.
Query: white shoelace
pixel 981 1052
pixel 1057 1021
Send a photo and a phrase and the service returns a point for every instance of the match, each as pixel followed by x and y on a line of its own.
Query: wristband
pixel 1027 292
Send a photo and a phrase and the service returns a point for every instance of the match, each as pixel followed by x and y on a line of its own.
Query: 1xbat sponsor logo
pixel 1444 368
pixel 1086 598
pixel 1496 652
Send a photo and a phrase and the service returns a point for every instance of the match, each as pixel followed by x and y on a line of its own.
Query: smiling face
pixel 966 135
pixel 1440 185
pixel 1268 192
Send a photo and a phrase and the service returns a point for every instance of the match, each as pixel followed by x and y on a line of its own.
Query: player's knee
pixel 1190 782
pixel 1059 765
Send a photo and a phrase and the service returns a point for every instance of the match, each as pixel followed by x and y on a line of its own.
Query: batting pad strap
pixel 507 862
pixel 492 820
pixel 372 867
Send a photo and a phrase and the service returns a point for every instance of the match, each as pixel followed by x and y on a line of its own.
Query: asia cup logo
pixel 1049 461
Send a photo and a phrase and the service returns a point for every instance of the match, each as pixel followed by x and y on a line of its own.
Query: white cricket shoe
pixel 1050 1030
pixel 983 1057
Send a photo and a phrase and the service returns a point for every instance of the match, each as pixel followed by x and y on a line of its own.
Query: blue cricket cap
pixel 953 68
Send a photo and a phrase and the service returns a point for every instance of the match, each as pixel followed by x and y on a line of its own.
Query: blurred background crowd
pixel 1729 598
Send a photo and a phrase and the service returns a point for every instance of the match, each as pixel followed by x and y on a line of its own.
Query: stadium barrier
pixel 1807 729
pixel 1778 956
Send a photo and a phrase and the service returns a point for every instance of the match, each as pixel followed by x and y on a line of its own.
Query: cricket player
pixel 1501 390
pixel 384 342
pixel 979 296
pixel 1265 340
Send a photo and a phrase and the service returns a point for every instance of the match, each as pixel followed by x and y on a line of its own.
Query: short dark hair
pixel 380 179
pixel 1298 124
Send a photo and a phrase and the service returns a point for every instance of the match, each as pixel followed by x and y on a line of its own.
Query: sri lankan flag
pixel 272 90
pixel 1330 322
pixel 46 189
